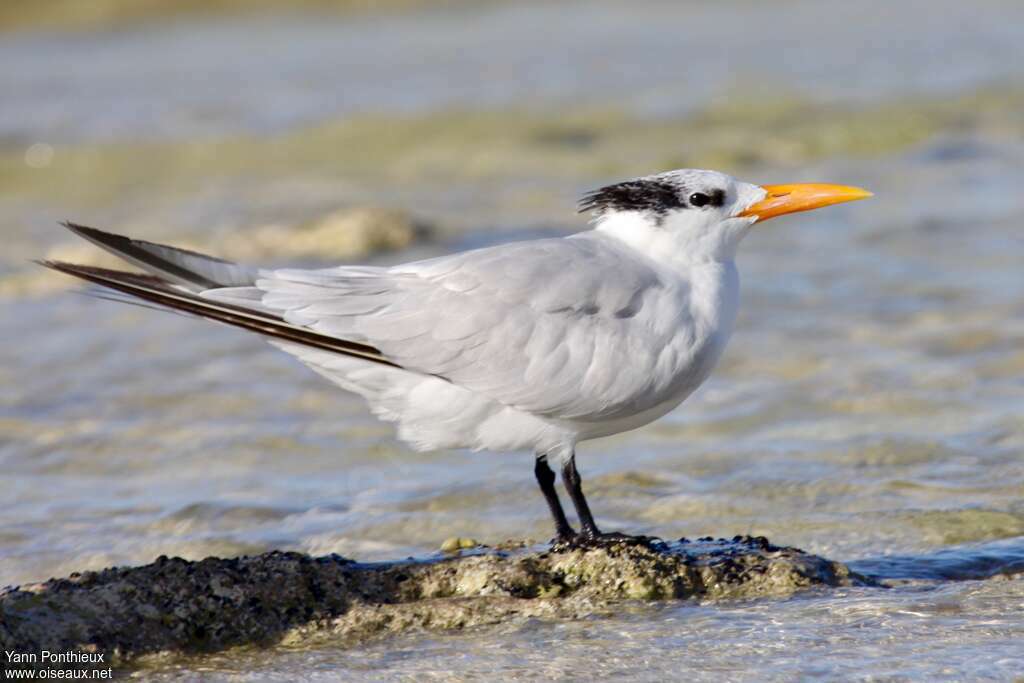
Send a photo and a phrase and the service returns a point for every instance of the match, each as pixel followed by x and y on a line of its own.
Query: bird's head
pixel 697 214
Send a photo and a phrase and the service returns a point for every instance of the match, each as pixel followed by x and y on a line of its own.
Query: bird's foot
pixel 599 539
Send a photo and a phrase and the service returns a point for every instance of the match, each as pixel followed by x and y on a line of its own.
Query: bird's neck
pixel 706 267
pixel 671 245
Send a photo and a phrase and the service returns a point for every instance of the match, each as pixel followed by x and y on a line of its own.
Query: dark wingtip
pixel 59 266
pixel 156 290
pixel 72 269
pixel 50 263
pixel 83 230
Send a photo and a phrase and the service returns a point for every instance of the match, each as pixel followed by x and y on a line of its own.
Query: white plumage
pixel 532 345
pixel 541 344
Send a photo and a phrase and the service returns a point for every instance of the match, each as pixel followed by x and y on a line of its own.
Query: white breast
pixel 704 328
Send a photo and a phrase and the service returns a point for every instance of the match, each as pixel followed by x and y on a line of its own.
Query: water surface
pixel 870 407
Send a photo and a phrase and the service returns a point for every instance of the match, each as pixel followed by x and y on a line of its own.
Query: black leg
pixel 589 533
pixel 546 479
pixel 574 485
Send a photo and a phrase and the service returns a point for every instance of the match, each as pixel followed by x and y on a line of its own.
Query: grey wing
pixel 547 326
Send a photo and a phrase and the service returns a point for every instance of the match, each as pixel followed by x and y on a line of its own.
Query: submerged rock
pixel 177 606
pixel 347 234
pixel 350 233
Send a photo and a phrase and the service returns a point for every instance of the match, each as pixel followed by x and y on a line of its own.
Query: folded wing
pixel 574 329
pixel 545 326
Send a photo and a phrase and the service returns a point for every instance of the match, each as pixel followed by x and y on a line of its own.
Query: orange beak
pixel 783 199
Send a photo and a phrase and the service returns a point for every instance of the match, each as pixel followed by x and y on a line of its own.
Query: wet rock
pixel 177 606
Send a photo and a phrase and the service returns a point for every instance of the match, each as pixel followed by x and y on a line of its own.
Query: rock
pixel 341 235
pixel 457 543
pixel 177 606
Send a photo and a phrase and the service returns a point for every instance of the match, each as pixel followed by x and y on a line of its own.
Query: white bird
pixel 534 345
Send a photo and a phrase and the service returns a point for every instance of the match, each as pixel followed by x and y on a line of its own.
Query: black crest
pixel 643 194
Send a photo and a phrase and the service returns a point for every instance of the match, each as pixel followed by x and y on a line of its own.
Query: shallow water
pixel 870 407
pixel 183 79
pixel 948 632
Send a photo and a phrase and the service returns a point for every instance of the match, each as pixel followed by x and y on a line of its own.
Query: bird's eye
pixel 699 199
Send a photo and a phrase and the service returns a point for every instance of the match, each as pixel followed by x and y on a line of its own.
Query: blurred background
pixel 870 406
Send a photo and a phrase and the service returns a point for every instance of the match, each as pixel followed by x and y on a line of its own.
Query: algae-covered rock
pixel 457 543
pixel 174 605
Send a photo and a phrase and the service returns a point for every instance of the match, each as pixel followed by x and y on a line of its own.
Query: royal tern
pixel 533 345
